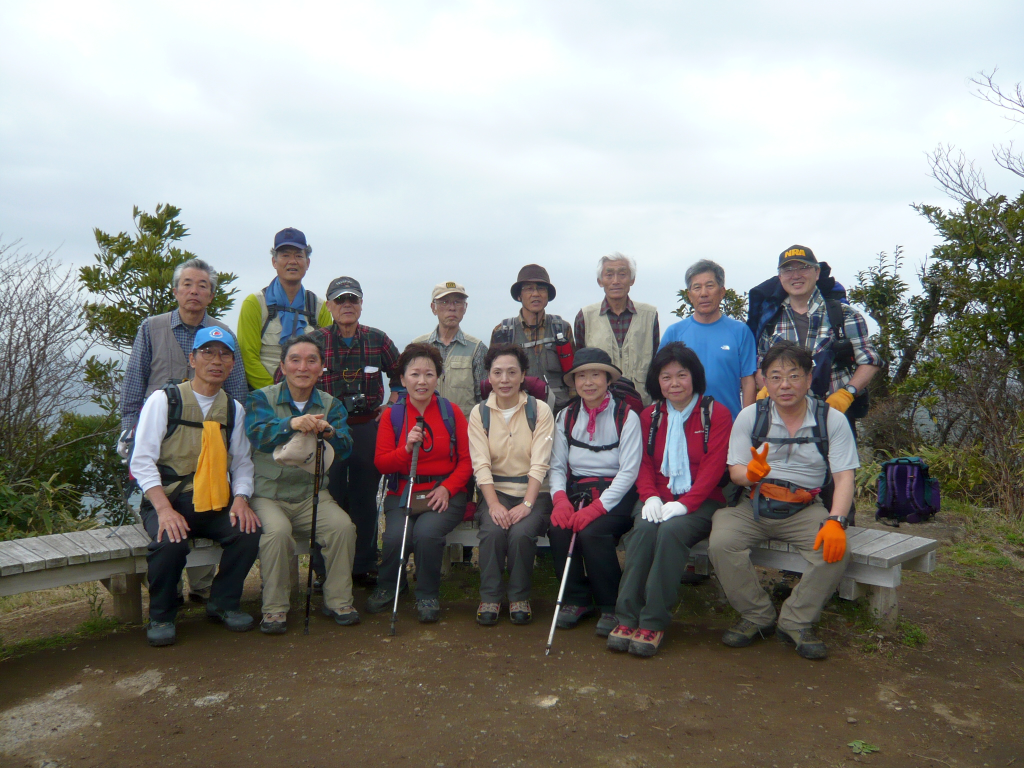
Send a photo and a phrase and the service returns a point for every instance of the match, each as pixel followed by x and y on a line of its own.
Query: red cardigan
pixel 434 458
pixel 705 469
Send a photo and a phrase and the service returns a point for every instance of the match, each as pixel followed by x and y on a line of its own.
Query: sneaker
pixel 346 617
pixel 487 614
pixel 318 584
pixel 606 624
pixel 745 632
pixel 570 615
pixel 161 633
pixel 380 600
pixel 618 638
pixel 274 623
pixel 236 621
pixel 807 645
pixel 428 610
pixel 645 642
pixel 520 612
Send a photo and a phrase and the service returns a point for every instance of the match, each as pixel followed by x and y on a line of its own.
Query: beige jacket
pixel 510 450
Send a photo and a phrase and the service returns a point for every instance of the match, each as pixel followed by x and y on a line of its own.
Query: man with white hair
pixel 627 331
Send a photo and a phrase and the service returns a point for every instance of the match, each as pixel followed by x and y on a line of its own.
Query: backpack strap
pixel 312 311
pixel 573 412
pixel 485 418
pixel 762 422
pixel 506 331
pixel 652 433
pixel 531 415
pixel 448 417
pixel 842 348
pixel 820 432
pixel 308 311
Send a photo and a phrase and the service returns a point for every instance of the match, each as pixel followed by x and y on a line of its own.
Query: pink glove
pixel 561 511
pixel 587 515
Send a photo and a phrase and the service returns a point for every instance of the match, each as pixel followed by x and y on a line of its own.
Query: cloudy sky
pixel 416 142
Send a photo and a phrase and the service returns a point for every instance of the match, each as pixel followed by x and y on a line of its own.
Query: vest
pixel 169 363
pixel 457 383
pixel 272 481
pixel 633 358
pixel 270 339
pixel 543 357
pixel 179 452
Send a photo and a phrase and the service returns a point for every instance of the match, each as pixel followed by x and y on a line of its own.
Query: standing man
pixel 281 310
pixel 356 360
pixel 283 496
pixel 161 354
pixel 191 460
pixel 725 346
pixel 546 338
pixel 627 331
pixel 463 355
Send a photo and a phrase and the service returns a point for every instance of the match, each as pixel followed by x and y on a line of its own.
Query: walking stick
pixel 561 592
pixel 405 528
pixel 318 469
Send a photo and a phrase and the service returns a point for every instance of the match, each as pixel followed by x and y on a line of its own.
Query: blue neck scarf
pixel 676 463
pixel 289 324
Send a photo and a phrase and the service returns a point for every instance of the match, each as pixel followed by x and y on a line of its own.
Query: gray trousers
pixel 656 556
pixel 514 548
pixel 735 531
pixel 426 538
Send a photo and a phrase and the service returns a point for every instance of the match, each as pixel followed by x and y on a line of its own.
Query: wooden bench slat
pixel 10 563
pixel 74 553
pixel 96 550
pixel 862 537
pixel 906 549
pixel 30 561
pixel 137 538
pixel 52 557
pixel 861 550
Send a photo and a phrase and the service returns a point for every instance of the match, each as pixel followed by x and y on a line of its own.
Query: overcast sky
pixel 416 142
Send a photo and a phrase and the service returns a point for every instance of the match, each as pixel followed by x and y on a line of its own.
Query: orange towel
pixel 211 490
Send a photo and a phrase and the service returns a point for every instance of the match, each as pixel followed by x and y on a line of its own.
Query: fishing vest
pixel 457 383
pixel 270 322
pixel 169 362
pixel 273 481
pixel 179 452
pixel 633 358
pixel 544 363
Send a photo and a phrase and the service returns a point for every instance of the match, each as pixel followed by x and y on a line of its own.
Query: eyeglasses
pixel 347 298
pixel 213 353
pixel 450 302
pixel 793 378
pixel 792 270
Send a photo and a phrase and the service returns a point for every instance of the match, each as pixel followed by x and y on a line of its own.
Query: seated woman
pixel 443 469
pixel 594 464
pixel 510 444
pixel 683 461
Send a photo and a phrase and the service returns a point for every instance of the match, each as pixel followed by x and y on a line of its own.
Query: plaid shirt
pixel 819 336
pixel 619 324
pixel 266 430
pixel 136 375
pixel 347 370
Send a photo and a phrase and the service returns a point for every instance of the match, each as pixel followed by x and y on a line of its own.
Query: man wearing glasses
pixel 463 355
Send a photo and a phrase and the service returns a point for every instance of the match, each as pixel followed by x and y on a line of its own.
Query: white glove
pixel 652 510
pixel 672 509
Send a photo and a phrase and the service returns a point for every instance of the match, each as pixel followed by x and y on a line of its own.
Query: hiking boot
pixel 318 584
pixel 428 610
pixel 807 645
pixel 606 624
pixel 274 623
pixel 618 638
pixel 745 632
pixel 366 580
pixel 346 617
pixel 487 614
pixel 569 615
pixel 380 600
pixel 520 612
pixel 161 633
pixel 236 621
pixel 645 642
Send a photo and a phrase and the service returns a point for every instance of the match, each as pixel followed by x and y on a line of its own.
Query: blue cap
pixel 213 333
pixel 290 236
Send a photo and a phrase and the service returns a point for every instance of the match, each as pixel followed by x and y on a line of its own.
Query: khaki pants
pixel 335 532
pixel 733 534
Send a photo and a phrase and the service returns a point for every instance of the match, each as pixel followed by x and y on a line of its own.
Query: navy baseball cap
pixel 799 253
pixel 344 285
pixel 290 236
pixel 213 333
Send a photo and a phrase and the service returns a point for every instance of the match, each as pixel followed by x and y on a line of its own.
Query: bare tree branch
pixel 987 89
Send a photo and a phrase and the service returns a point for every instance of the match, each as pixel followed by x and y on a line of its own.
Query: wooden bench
pixel 116 557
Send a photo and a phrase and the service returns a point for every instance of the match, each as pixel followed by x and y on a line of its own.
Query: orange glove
pixel 841 399
pixel 833 538
pixel 758 467
pixel 762 394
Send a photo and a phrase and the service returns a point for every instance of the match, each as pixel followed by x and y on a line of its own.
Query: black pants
pixel 425 539
pixel 353 485
pixel 166 559
pixel 594 551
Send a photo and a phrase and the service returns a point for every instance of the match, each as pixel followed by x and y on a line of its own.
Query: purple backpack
pixel 906 493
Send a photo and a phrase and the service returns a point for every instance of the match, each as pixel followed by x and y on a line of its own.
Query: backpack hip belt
pixel 508 479
pixel 586 489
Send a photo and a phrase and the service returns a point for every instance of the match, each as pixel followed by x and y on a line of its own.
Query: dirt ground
pixel 455 694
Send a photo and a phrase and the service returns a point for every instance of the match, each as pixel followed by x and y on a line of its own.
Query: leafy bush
pixel 38 507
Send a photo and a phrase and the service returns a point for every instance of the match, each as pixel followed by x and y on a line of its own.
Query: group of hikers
pixel 595 433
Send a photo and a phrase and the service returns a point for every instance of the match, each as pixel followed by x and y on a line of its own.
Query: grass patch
pixel 95 626
pixel 986 541
pixel 910 634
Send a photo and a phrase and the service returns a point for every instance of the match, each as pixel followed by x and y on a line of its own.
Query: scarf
pixel 277 296
pixel 210 491
pixel 592 414
pixel 676 463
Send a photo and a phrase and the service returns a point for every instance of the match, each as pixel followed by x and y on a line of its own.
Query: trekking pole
pixel 561 592
pixel 405 527
pixel 318 469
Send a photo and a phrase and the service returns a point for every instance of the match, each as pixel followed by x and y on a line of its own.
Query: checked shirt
pixel 361 367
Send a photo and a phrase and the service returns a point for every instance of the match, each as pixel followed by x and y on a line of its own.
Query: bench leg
pixel 884 604
pixel 126 589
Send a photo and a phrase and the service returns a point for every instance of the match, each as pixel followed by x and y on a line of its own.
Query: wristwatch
pixel 851 389
pixel 841 519
pixel 243 496
pixel 527 504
